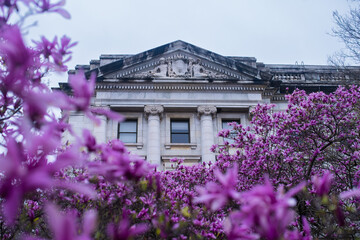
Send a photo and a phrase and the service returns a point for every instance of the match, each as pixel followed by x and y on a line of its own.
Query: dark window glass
pixel 180 131
pixel 225 125
pixel 128 131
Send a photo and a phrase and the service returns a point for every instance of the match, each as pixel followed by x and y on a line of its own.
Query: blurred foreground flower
pixel 266 212
pixel 322 184
pixel 215 195
pixel 64 225
pixel 124 230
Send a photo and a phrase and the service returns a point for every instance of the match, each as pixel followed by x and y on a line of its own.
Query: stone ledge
pixel 170 145
pixel 137 145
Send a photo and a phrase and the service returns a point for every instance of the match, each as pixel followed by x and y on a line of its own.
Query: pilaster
pixel 206 114
pixel 153 114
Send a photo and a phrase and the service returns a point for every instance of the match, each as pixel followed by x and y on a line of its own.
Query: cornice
pixel 144 87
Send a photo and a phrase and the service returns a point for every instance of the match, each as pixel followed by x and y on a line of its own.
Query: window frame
pixel 136 131
pixel 187 120
pixel 232 132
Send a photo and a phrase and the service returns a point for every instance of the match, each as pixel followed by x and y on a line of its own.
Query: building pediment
pixel 179 65
pixel 178 60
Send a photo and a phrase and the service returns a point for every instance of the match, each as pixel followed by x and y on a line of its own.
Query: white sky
pixel 273 31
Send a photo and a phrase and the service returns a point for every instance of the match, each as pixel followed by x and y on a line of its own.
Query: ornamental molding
pixel 207 110
pixel 153 110
pixel 178 65
pixel 178 87
pixel 278 98
pixel 314 76
pixel 289 77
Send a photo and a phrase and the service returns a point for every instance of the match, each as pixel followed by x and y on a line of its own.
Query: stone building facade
pixel 177 97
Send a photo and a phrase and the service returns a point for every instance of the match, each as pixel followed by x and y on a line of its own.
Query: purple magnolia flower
pixel 24 173
pixel 32 207
pixel 90 141
pixel 37 102
pixel 143 214
pixel 83 90
pixel 216 195
pixel 179 161
pixel 17 58
pixel 108 113
pixel 235 230
pixel 47 6
pixel 322 184
pixel 307 230
pixel 62 53
pixel 20 178
pixel 45 46
pixel 124 230
pixel 64 225
pixel 58 52
pixel 351 193
pixel 117 163
pixel 43 142
pixel 268 212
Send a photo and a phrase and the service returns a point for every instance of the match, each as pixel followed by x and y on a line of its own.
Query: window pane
pixel 180 127
pixel 180 138
pixel 128 126
pixel 225 123
pixel 180 131
pixel 233 134
pixel 128 137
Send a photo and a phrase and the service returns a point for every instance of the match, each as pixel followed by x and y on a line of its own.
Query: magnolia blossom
pixel 18 59
pixel 116 162
pixel 322 184
pixel 267 212
pixel 124 230
pixel 49 6
pixel 64 226
pixel 55 53
pixel 235 230
pixel 83 90
pixel 351 193
pixel 216 195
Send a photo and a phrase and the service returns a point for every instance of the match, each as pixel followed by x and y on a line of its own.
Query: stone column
pixel 153 114
pixel 206 114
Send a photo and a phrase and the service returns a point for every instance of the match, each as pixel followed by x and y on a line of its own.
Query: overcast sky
pixel 273 31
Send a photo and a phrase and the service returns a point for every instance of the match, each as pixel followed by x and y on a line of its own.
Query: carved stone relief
pixel 180 67
pixel 206 110
pixel 153 110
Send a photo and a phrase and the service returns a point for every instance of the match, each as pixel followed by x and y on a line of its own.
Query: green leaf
pixel 185 212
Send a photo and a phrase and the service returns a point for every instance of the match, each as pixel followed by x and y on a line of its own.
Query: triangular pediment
pixel 178 64
pixel 178 60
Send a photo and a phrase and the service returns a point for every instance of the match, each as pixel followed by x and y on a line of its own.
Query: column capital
pixel 206 110
pixel 153 110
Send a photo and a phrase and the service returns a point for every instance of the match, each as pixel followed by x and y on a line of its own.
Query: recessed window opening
pixel 233 134
pixel 128 131
pixel 180 131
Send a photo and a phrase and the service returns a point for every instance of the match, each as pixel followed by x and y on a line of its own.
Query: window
pixel 180 131
pixel 225 125
pixel 128 131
